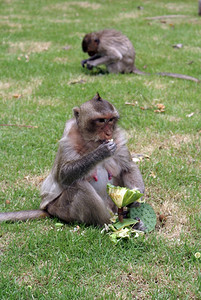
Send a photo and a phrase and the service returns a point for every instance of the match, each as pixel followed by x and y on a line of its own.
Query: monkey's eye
pixel 101 120
pixel 111 120
pixel 96 41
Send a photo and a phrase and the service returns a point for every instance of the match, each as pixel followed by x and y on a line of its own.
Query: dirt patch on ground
pixel 10 24
pixel 151 142
pixel 172 217
pixel 192 49
pixel 177 7
pixel 36 180
pixel 47 101
pixel 85 4
pixel 18 89
pixel 61 60
pixel 29 47
pixel 69 5
pixel 128 15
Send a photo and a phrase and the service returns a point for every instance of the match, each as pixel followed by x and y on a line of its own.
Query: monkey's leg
pixel 81 203
pixel 133 178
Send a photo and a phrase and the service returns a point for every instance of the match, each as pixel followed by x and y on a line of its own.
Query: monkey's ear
pixel 76 112
pixel 98 97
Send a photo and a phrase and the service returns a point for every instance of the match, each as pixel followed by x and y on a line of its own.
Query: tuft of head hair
pixel 98 97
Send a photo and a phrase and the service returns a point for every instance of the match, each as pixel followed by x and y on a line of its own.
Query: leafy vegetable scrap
pixel 140 219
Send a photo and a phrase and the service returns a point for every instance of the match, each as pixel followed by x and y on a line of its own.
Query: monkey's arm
pixel 110 56
pixel 70 171
pixel 84 61
pixel 103 60
pixel 130 176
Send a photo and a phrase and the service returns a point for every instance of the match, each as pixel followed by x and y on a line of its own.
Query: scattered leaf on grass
pixel 145 107
pixel 139 157
pixel 152 174
pixel 22 56
pixel 177 46
pixel 162 218
pixel 190 115
pixel 197 255
pixel 125 223
pixel 128 103
pixel 161 108
pixel 17 96
pixel 59 226
pixel 80 81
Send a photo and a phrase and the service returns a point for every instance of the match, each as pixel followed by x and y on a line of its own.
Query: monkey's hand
pixel 83 62
pixel 106 149
pixel 89 65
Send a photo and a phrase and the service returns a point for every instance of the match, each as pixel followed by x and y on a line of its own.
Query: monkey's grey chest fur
pixel 99 180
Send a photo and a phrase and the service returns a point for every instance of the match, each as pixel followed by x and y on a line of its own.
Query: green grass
pixel 38 261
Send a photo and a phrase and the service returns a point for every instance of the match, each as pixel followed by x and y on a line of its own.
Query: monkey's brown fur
pixel 87 159
pixel 199 7
pixel 111 48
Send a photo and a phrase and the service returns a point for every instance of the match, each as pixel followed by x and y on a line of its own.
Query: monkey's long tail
pixel 174 75
pixel 23 215
pixel 136 71
pixel 181 76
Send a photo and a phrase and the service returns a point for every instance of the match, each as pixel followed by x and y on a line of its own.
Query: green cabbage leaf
pixel 123 196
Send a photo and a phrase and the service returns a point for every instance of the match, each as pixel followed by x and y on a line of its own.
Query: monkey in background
pixel 111 48
pixel 91 153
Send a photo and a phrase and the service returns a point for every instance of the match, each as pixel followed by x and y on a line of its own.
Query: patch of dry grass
pixel 128 15
pixel 13 25
pixel 35 180
pixel 71 5
pixel 151 142
pixel 177 7
pixel 192 49
pixel 18 89
pixel 29 47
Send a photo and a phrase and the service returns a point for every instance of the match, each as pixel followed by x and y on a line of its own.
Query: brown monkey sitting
pixel 111 48
pixel 87 159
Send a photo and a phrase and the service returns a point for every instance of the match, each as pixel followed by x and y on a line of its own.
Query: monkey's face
pixel 97 130
pixel 96 119
pixel 90 44
pixel 103 128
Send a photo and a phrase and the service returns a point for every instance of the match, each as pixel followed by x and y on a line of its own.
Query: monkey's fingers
pixel 83 62
pixel 111 146
pixel 89 66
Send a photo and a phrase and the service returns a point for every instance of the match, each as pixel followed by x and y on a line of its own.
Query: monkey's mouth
pixel 91 53
pixel 106 141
